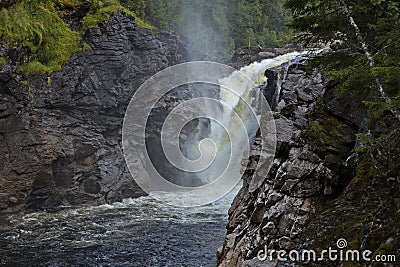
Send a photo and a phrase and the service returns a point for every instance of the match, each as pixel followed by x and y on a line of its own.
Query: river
pixel 139 232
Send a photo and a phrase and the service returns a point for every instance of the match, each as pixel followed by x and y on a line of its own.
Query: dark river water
pixel 138 232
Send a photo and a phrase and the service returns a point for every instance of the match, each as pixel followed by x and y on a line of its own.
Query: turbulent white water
pixel 235 94
pixel 142 231
pixel 136 232
pixel 231 116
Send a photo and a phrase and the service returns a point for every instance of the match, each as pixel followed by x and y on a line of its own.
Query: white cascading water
pixel 235 117
pixel 235 98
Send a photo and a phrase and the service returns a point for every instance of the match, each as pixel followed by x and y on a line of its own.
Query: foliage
pixel 379 23
pixel 258 22
pixel 68 3
pixel 36 67
pixel 38 25
pixel 213 28
pixel 365 142
pixel 101 10
pixel 7 3
pixel 202 23
pixel 137 6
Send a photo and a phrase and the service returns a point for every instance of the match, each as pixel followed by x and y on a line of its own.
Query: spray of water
pixel 236 100
pixel 234 116
pixel 205 27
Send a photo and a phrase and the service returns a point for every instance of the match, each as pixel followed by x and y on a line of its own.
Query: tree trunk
pixel 371 60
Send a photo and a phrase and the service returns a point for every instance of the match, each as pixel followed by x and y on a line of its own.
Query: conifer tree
pixel 365 60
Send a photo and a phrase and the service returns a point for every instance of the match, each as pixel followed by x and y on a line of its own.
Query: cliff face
pixel 318 189
pixel 61 135
pixel 276 211
pixel 61 145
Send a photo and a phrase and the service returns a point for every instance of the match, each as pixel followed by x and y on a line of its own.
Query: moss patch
pixel 366 213
pixel 326 134
pixel 101 10
pixel 68 3
pixel 38 25
pixel 3 61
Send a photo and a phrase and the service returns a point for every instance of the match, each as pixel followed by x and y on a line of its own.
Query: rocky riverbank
pixel 61 135
pixel 321 187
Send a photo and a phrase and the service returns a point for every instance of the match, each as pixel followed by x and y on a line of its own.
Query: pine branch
pixel 370 58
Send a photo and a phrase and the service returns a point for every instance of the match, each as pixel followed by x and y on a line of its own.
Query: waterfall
pixel 215 153
pixel 241 83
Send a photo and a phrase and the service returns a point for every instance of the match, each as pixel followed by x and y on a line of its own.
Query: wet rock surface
pixel 61 135
pixel 306 166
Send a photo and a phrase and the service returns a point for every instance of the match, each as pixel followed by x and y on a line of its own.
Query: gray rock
pixel 299 174
pixel 266 55
pixel 13 200
pixel 62 143
pixel 286 243
pixel 255 262
pixel 268 228
pixel 301 168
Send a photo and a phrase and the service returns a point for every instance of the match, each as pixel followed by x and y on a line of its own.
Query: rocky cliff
pixel 61 135
pixel 321 187
pixel 61 145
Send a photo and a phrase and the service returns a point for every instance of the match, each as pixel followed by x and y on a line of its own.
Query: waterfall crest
pixel 235 92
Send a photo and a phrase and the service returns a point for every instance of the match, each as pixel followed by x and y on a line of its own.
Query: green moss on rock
pixel 102 10
pixel 366 214
pixel 68 3
pixel 3 61
pixel 327 134
pixel 38 25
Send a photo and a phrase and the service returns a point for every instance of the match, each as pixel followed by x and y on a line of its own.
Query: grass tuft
pixel 102 10
pixel 38 26
pixel 3 61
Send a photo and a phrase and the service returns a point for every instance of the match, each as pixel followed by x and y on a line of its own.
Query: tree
pixel 365 57
pixel 370 59
pixel 137 6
